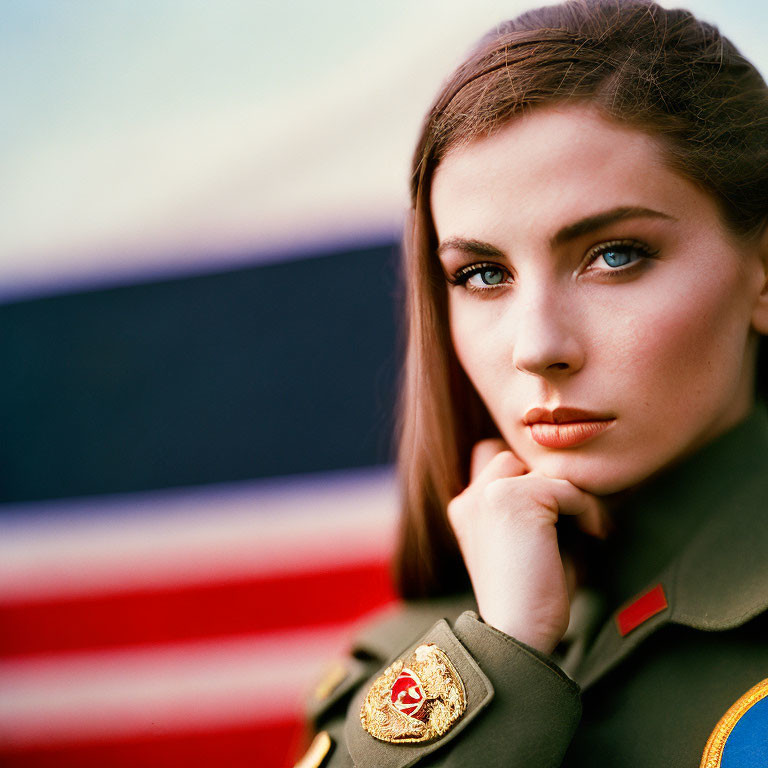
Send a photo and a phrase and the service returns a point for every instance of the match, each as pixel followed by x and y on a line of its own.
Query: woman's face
pixel 583 274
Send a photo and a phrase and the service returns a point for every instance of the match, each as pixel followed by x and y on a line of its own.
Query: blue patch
pixel 747 744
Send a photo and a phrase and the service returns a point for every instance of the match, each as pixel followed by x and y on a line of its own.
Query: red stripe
pixel 267 746
pixel 649 604
pixel 194 612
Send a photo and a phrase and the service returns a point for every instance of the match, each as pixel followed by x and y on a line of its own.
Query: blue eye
pixel 616 258
pixel 490 276
pixel 480 277
pixel 617 254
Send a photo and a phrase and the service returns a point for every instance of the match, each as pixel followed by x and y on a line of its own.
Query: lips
pixel 565 427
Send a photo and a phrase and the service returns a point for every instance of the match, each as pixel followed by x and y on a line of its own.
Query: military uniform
pixel 674 637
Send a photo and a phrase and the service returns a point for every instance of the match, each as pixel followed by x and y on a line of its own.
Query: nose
pixel 546 339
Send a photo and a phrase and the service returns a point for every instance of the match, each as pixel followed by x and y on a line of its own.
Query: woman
pixel 583 452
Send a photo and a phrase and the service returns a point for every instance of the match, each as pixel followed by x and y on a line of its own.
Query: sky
pixel 148 138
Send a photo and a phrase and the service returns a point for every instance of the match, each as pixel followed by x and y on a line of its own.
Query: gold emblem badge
pixel 748 716
pixel 415 701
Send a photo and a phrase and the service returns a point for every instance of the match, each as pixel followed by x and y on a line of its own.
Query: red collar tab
pixel 636 613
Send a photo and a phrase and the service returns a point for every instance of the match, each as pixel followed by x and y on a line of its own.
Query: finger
pixel 483 452
pixel 588 511
pixel 491 459
pixel 558 496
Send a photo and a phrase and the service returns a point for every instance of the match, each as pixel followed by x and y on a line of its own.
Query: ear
pixel 760 311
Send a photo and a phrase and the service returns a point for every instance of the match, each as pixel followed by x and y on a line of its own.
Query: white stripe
pixel 82 696
pixel 192 169
pixel 169 538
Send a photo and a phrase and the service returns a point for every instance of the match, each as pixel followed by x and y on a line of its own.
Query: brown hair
pixel 661 71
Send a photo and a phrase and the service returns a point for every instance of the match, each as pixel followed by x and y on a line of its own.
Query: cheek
pixel 481 346
pixel 689 346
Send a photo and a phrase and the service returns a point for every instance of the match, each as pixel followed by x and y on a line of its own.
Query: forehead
pixel 553 165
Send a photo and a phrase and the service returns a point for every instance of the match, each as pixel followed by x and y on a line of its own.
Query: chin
pixel 592 474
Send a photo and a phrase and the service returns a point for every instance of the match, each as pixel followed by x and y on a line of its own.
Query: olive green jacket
pixel 635 683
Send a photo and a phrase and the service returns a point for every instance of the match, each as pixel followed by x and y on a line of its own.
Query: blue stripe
pixel 286 368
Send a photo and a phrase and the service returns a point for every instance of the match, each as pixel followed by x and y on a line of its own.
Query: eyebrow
pixel 564 235
pixel 597 221
pixel 475 247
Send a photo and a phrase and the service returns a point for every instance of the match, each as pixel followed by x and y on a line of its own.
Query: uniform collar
pixel 708 515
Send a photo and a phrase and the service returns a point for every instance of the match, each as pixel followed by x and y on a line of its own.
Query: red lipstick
pixel 565 427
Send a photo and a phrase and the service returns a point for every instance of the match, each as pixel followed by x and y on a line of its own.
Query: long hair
pixel 661 71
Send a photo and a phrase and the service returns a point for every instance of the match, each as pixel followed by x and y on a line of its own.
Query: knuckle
pixel 545 498
pixel 542 492
pixel 504 464
pixel 496 493
pixel 454 509
pixel 523 496
pixel 483 453
pixel 507 462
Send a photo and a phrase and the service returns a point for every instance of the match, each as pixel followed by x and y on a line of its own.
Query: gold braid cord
pixel 415 700
pixel 713 752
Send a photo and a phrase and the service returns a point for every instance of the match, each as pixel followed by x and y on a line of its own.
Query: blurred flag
pixel 183 627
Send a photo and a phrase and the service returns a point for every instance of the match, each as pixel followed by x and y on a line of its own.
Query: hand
pixel 505 525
